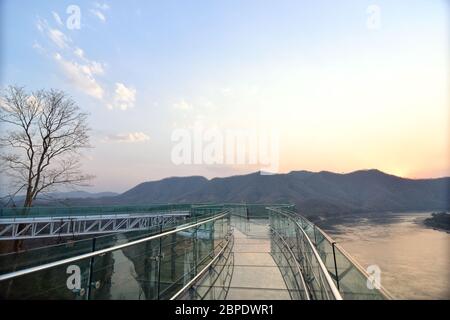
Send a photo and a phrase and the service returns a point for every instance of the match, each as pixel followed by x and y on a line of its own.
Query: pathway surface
pixel 255 275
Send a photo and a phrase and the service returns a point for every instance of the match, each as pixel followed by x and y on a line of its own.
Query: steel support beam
pixel 45 227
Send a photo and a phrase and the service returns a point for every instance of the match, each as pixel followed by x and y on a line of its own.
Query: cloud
pixel 82 76
pixel 99 9
pixel 98 14
pixel 226 91
pixel 57 18
pixel 131 137
pixel 124 97
pixel 78 69
pixel 58 37
pixel 40 24
pixel 32 100
pixel 101 6
pixel 91 67
pixel 79 52
pixel 182 105
pixel 55 35
pixel 38 47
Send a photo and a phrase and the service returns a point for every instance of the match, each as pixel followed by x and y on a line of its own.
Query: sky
pixel 333 85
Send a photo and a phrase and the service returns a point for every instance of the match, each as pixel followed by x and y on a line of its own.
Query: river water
pixel 414 259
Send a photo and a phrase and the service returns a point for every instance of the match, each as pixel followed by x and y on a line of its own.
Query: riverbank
pixel 439 221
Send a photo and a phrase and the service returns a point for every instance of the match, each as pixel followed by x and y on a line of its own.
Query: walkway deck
pixel 255 275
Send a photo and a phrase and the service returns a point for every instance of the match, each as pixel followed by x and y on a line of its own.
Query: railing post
pixel 91 267
pixel 194 248
pixel 148 270
pixel 315 236
pixel 173 254
pixel 159 263
pixel 335 266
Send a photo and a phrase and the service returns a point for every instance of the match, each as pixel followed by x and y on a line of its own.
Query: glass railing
pixel 213 281
pixel 33 257
pixel 317 280
pixel 352 281
pixel 142 265
pixel 289 267
pixel 254 211
pixel 247 210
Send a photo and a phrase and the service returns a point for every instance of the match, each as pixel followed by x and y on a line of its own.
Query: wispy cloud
pixel 226 91
pixel 57 18
pixel 76 67
pixel 55 35
pixel 80 71
pixel 59 38
pixel 38 47
pixel 79 52
pixel 182 105
pixel 102 6
pixel 81 76
pixel 131 137
pixel 98 14
pixel 124 97
pixel 99 10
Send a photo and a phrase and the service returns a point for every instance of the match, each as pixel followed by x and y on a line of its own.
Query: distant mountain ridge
pixel 53 196
pixel 312 192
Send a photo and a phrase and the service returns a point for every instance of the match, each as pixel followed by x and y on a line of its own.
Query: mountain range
pixel 312 192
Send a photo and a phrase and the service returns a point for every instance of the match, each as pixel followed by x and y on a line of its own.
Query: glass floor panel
pixel 255 275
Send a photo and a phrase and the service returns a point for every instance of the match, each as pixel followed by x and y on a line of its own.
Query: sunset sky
pixel 343 91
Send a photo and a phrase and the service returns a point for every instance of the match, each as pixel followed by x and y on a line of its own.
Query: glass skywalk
pixel 223 251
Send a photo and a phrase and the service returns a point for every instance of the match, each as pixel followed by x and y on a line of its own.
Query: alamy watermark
pixel 74 20
pixel 212 146
pixel 374 279
pixel 73 281
pixel 373 17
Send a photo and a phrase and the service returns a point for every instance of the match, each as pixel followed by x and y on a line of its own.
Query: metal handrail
pixel 191 282
pixel 296 264
pixel 99 252
pixel 330 282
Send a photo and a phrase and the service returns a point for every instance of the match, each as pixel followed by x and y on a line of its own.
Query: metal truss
pixel 44 227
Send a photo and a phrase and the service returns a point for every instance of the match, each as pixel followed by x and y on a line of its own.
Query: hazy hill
pixel 79 194
pixel 312 192
pixel 51 197
pixel 365 190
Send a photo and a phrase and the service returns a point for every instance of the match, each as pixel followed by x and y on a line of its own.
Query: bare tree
pixel 42 135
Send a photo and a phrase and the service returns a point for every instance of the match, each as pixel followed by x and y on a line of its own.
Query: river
pixel 414 259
